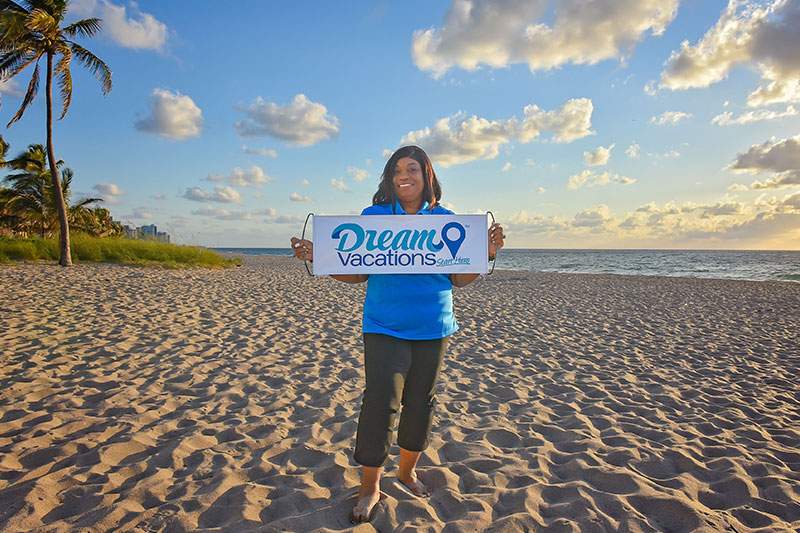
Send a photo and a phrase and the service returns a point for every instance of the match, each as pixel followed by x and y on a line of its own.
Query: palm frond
pixel 13 63
pixel 41 21
pixel 9 5
pixel 13 28
pixel 64 80
pixel 83 202
pixel 93 63
pixel 84 28
pixel 33 87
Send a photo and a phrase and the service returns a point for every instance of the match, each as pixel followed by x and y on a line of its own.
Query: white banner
pixel 400 244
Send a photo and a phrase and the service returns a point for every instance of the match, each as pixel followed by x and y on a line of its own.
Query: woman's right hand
pixel 303 249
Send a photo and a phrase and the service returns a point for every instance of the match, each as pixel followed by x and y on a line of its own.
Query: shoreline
pixel 244 255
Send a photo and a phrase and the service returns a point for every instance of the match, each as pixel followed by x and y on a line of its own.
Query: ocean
pixel 726 264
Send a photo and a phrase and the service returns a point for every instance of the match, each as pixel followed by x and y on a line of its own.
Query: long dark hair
pixel 432 191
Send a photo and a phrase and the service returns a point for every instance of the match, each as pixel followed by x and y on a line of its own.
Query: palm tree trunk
pixel 66 258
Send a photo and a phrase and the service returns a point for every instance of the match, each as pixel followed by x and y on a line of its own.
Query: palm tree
pixel 31 206
pixel 29 31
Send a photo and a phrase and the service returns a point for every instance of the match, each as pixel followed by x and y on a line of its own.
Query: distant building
pixel 147 232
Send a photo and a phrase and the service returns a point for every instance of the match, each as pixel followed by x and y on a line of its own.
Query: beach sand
pixel 227 400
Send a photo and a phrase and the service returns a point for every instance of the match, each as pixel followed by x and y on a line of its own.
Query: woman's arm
pixel 496 241
pixel 462 280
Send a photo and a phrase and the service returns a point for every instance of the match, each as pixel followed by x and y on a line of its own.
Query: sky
pixel 579 124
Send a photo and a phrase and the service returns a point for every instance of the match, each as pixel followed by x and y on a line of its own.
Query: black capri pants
pixel 398 372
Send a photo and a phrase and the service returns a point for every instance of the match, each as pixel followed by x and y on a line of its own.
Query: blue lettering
pixel 341 233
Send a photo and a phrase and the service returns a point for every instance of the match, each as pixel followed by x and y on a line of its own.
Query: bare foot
pixel 415 486
pixel 364 506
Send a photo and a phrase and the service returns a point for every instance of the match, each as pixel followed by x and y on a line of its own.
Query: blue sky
pixel 576 128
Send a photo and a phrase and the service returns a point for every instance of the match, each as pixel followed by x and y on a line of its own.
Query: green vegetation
pixel 86 248
pixel 30 31
pixel 28 207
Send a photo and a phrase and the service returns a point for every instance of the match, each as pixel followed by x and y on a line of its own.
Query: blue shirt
pixel 409 306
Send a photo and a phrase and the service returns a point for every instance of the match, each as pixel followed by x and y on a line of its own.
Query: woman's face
pixel 407 180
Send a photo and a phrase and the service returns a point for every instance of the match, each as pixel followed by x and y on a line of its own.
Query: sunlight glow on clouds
pixel 301 122
pixel 172 115
pixel 255 175
pixel 498 33
pixel 140 30
pixel 589 178
pixel 110 192
pixel 459 139
pixel 339 185
pixel 669 118
pixel 727 118
pixel 221 194
pixel 297 197
pixel 598 157
pixel 781 156
pixel 749 33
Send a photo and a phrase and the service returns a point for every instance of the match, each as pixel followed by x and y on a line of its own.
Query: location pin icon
pixel 453 244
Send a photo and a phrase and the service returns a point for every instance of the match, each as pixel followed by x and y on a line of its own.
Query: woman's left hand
pixel 496 239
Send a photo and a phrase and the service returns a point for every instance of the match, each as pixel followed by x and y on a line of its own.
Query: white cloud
pixel 220 213
pixel 297 197
pixel 781 156
pixel 301 122
pixel 530 163
pixel 263 152
pixel 767 221
pixel 139 213
pixel 172 115
pixel 255 175
pixel 598 157
pixel 594 217
pixel 540 190
pixel 339 185
pixel 633 151
pixel 358 174
pixel 737 187
pixel 762 35
pixel 571 122
pixel 727 118
pixel 669 117
pixel 109 191
pixel 650 88
pixel 590 178
pixel 459 139
pixel 507 167
pixel 305 183
pixel 225 195
pixel 140 30
pixel 500 33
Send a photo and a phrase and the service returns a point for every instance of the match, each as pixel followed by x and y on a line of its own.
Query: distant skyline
pixel 603 124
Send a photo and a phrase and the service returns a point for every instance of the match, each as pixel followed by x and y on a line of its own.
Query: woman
pixel 407 321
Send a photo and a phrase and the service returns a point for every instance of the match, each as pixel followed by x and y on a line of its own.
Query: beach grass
pixel 115 250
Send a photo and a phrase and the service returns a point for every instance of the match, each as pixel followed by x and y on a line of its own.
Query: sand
pixel 227 400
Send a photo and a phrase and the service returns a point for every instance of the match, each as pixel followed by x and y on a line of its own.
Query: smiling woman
pixel 407 322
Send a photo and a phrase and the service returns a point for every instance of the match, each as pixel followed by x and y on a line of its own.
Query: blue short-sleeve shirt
pixel 409 306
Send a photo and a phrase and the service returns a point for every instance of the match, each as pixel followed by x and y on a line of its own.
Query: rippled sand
pixel 144 399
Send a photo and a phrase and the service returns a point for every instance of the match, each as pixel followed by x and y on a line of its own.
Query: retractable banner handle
pixel 302 237
pixel 496 251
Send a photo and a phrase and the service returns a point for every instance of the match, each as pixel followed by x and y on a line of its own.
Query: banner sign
pixel 400 244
